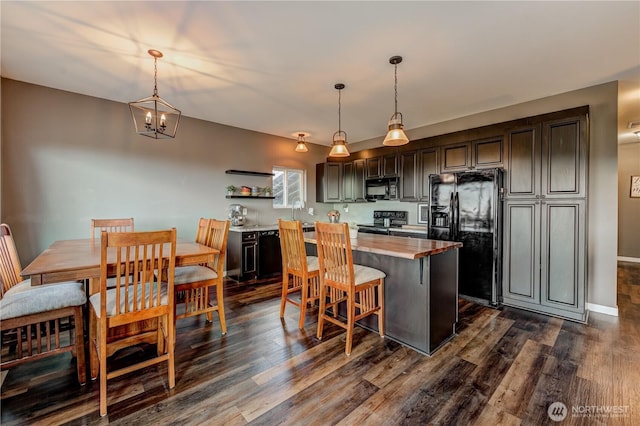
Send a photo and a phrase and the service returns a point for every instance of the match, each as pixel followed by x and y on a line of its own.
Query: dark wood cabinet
pixel 328 182
pixel 478 154
pixel 456 158
pixel 242 255
pixel 390 165
pixel 374 167
pixel 353 181
pixel 409 176
pixel 428 161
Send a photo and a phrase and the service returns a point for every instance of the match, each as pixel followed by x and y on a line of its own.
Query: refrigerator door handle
pixel 451 218
pixel 456 214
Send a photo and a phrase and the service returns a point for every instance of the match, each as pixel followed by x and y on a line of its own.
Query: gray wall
pixel 67 158
pixel 603 171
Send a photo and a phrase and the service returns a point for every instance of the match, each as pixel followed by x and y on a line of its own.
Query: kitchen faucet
pixel 296 204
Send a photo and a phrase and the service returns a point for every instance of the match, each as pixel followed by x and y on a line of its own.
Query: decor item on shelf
pixel 396 135
pixel 267 191
pixel 245 190
pixel 231 189
pixel 302 146
pixel 153 116
pixel 339 145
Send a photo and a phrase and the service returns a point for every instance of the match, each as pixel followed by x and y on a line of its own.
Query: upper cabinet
pixel 328 182
pixel 428 165
pixel 409 176
pixel 382 166
pixel 548 160
pixel 353 181
pixel 480 154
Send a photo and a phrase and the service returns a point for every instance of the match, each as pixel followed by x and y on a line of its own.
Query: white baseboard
pixel 607 310
pixel 628 259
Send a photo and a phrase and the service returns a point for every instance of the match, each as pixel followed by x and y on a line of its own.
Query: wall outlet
pixel 311 211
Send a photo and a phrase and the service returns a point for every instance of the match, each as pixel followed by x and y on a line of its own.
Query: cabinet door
pixel 521 252
pixel 428 165
pixel 487 153
pixel 359 180
pixel 408 176
pixel 456 158
pixel 347 182
pixel 249 259
pixel 328 182
pixel 390 165
pixel 563 255
pixel 522 178
pixel 374 167
pixel 564 154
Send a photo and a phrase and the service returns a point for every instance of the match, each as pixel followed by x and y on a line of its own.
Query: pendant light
pixel 396 135
pixel 339 145
pixel 302 146
pixel 153 116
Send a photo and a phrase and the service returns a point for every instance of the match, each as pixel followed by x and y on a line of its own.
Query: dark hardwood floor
pixel 504 367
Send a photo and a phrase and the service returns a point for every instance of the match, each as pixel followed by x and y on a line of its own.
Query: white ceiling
pixel 272 66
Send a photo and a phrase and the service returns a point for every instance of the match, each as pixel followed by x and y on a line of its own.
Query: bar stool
pixel 362 287
pixel 300 273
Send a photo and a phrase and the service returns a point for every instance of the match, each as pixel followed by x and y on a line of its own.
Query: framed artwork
pixel 635 187
pixel 423 213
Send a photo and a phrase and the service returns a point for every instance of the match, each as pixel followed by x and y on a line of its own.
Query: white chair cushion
pixel 111 298
pixel 27 300
pixel 312 263
pixel 192 274
pixel 364 274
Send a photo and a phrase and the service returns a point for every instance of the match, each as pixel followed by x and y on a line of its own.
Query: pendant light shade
pixel 302 146
pixel 339 144
pixel 396 135
pixel 153 116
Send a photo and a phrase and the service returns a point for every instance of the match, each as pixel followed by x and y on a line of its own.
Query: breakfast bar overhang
pixel 420 289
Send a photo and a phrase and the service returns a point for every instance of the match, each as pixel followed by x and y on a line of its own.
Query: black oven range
pixel 383 220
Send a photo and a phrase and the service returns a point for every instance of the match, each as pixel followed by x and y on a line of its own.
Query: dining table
pixel 79 260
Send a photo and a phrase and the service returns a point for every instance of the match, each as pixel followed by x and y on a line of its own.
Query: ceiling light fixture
pixel 339 145
pixel 396 135
pixel 153 116
pixel 302 146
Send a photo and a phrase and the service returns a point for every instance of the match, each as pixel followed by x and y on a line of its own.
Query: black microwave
pixel 382 189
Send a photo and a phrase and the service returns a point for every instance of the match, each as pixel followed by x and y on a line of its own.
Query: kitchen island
pixel 420 290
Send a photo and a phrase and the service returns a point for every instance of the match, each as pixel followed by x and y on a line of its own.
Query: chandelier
pixel 396 135
pixel 153 116
pixel 339 145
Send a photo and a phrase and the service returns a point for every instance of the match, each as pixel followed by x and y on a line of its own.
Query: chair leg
pixel 205 296
pixel 381 311
pixel 304 293
pixel 323 303
pixel 285 293
pixel 220 297
pixel 79 345
pixel 93 341
pixel 351 314
pixel 170 346
pixel 103 380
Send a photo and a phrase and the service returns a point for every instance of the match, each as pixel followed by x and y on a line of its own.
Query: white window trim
pixel 304 186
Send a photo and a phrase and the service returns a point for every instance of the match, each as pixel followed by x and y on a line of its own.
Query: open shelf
pixel 247 172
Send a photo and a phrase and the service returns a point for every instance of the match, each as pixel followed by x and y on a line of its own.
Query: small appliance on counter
pixel 237 214
pixel 334 216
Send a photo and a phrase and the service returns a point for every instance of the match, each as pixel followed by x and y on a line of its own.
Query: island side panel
pixel 443 298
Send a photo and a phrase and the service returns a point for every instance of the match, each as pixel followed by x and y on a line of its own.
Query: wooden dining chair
pixel 361 287
pixel 111 225
pixel 32 318
pixel 194 284
pixel 300 273
pixel 139 309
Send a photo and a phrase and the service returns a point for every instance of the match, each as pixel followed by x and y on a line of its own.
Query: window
pixel 288 187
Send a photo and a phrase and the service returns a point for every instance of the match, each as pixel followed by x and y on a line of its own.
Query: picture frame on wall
pixel 635 187
pixel 423 213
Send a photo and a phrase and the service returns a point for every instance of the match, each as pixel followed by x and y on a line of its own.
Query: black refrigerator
pixel 467 207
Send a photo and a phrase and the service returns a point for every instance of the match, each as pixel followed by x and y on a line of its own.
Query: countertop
pixel 252 228
pixel 407 248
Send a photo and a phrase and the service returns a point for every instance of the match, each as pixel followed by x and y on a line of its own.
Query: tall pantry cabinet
pixel 545 223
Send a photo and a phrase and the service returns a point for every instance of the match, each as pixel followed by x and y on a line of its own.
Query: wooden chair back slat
pixel 9 261
pixel 334 253
pixel 111 225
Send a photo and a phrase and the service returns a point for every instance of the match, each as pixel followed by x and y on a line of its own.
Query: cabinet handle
pixel 543 196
